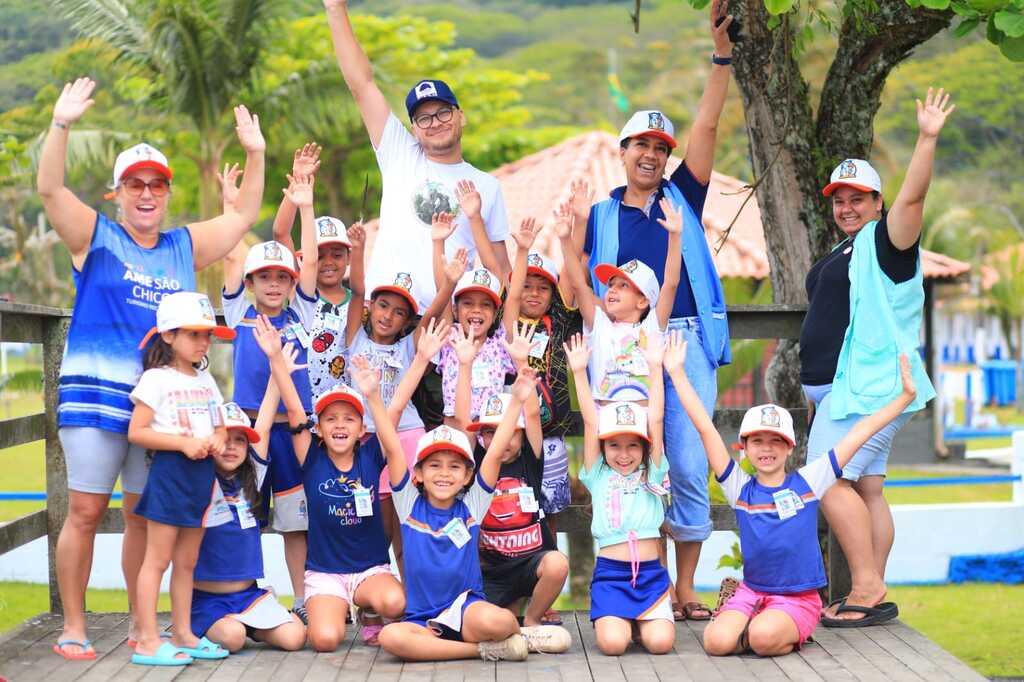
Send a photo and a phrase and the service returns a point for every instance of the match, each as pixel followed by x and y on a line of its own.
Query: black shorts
pixel 509 579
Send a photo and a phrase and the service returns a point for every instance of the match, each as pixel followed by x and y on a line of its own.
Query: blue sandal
pixel 206 650
pixel 166 655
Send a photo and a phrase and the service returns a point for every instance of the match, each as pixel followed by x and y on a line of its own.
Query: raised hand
pixel 673 220
pixel 720 33
pixel 335 4
pixel 526 234
pixel 229 183
pixel 469 198
pixel 291 355
pixel 654 350
pixel 74 101
pixel 441 226
pixel 931 115
pixel 519 348
pixel 577 353
pixel 909 389
pixel 247 127
pixel 462 342
pixel 300 190
pixel 525 386
pixel 564 217
pixel 267 337
pixel 675 352
pixel 306 160
pixel 581 198
pixel 367 378
pixel 456 267
pixel 357 235
pixel 432 339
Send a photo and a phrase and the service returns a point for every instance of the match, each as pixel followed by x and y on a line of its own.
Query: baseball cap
pixel 768 417
pixel 616 419
pixel 339 393
pixel 443 438
pixel 424 91
pixel 856 173
pixel 480 279
pixel 493 411
pixel 331 231
pixel 649 122
pixel 186 310
pixel 141 155
pixel 639 275
pixel 270 256
pixel 402 286
pixel 234 418
pixel 537 264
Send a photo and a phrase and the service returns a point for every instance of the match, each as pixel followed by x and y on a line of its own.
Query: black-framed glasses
pixel 424 121
pixel 158 187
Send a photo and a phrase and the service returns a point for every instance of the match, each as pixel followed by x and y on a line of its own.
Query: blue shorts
pixel 286 482
pixel 872 459
pixel 254 607
pixel 447 624
pixel 612 592
pixel 179 491
pixel 689 514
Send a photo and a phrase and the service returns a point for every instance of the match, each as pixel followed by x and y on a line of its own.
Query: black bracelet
pixel 301 427
pixel 721 61
pixel 59 124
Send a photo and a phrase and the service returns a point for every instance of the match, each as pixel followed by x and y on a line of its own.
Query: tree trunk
pixel 793 153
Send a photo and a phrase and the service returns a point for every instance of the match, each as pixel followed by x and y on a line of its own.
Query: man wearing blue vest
pixel 625 226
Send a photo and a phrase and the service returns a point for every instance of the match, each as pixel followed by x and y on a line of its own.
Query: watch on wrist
pixel 721 61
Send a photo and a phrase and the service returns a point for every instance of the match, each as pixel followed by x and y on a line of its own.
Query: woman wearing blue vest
pixel 865 306
pixel 122 270
pixel 625 226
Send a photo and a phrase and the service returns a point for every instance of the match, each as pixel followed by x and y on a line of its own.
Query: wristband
pixel 721 61
pixel 301 427
pixel 59 124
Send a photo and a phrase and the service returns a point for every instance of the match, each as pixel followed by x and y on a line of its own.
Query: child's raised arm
pixel 873 423
pixel 271 399
pixel 441 227
pixel 433 338
pixel 573 270
pixel 451 271
pixel 714 446
pixel 306 161
pixel 269 340
pixel 300 193
pixel 578 354
pixel 673 224
pixel 466 349
pixel 524 239
pixel 654 354
pixel 234 261
pixel 469 200
pixel 367 380
pixel 356 281
pixel 526 383
pixel 519 351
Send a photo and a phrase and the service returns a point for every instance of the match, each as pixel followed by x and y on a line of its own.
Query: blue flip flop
pixel 165 655
pixel 206 650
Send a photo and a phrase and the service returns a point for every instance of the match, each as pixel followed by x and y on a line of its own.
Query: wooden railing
pixel 48 326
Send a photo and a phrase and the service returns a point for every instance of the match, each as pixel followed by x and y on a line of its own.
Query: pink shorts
pixel 803 607
pixel 340 585
pixel 409 438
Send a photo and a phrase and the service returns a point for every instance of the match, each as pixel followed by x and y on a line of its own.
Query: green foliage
pixel 732 560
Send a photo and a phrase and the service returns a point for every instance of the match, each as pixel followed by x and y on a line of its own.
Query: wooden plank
pixel 235 667
pixel 572 665
pixel 22 530
pixel 953 666
pixel 14 663
pixel 636 665
pixel 796 668
pixel 730 668
pixel 21 430
pixel 55 331
pixel 107 632
pixel 385 669
pixel 327 667
pixel 822 663
pixel 891 667
pixel 603 668
pixel 847 656
pixel 358 664
pixel 900 650
pixel 763 668
pixel 776 321
pixel 690 651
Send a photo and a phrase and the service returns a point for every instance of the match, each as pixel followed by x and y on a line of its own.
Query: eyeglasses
pixel 158 187
pixel 424 121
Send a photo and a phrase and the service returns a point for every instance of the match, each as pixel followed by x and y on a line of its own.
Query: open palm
pixel 931 115
pixel 74 100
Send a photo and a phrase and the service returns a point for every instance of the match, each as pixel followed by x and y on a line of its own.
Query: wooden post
pixel 55 330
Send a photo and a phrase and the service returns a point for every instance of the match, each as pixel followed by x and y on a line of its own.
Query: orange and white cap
pixel 270 256
pixel 638 273
pixel 443 438
pixel 856 173
pixel 186 310
pixel 622 418
pixel 141 155
pixel 771 418
pixel 493 411
pixel 234 417
pixel 331 231
pixel 537 264
pixel 402 286
pixel 339 393
pixel 649 122
pixel 480 279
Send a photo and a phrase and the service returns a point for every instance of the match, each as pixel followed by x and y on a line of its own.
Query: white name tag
pixel 481 376
pixel 539 345
pixel 527 500
pixel 457 532
pixel 296 332
pixel 332 322
pixel 784 503
pixel 364 502
pixel 246 519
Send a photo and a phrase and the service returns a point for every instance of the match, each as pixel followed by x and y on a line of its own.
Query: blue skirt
pixel 180 491
pixel 613 594
pixel 253 606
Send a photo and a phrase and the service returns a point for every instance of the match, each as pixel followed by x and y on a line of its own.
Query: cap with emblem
pixel 493 411
pixel 637 273
pixel 622 418
pixel 186 310
pixel 480 279
pixel 443 438
pixel 331 231
pixel 140 156
pixel 339 393
pixel 234 417
pixel 771 418
pixel 402 286
pixel 855 173
pixel 649 122
pixel 270 256
pixel 428 90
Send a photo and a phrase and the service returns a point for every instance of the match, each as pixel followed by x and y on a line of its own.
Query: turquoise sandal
pixel 206 650
pixel 166 655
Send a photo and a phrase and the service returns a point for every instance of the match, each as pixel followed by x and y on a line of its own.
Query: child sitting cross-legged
pixel 776 607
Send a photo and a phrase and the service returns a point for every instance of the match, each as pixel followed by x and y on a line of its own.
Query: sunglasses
pixel 158 187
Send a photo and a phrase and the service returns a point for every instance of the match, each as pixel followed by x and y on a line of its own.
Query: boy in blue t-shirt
pixel 287 295
pixel 776 607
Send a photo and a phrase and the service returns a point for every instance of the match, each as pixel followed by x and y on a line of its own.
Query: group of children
pixel 323 424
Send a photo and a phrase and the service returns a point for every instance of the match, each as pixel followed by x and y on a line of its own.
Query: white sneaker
pixel 546 639
pixel 513 648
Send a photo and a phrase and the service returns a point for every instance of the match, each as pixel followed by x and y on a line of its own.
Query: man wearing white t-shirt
pixel 420 169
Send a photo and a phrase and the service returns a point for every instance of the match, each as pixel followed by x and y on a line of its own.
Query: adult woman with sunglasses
pixel 123 269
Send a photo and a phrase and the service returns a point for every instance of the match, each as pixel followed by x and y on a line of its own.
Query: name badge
pixel 796 500
pixel 246 519
pixel 527 500
pixel 296 332
pixel 364 502
pixel 332 322
pixel 215 418
pixel 656 488
pixel 481 376
pixel 539 345
pixel 457 532
pixel 634 364
pixel 784 503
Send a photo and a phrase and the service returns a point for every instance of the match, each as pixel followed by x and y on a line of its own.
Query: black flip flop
pixel 873 615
